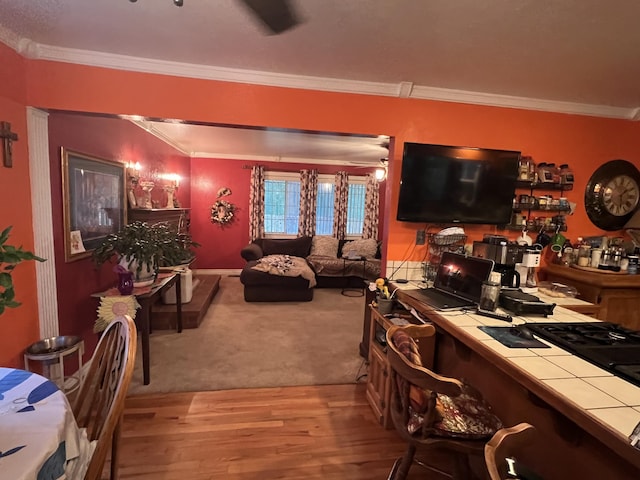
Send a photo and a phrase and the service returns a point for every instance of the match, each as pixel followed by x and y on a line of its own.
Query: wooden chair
pixel 99 405
pixel 500 451
pixel 417 399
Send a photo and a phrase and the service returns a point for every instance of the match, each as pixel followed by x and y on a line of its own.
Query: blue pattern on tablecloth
pixel 53 468
pixel 11 451
pixel 12 379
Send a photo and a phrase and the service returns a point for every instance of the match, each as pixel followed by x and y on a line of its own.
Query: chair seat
pixel 464 416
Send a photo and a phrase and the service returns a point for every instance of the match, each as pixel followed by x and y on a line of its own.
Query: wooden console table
pixel 146 298
pixel 617 295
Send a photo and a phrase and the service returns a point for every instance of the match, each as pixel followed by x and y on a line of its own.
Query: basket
pixel 444 240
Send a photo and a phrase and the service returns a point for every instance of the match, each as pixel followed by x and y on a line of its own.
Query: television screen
pixel 447 184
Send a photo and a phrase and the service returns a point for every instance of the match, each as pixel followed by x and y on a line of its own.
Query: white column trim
pixel 41 206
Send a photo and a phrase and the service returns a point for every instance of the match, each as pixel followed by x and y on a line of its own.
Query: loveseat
pixel 325 256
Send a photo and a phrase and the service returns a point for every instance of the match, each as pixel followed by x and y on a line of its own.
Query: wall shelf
pixel 179 217
pixel 524 184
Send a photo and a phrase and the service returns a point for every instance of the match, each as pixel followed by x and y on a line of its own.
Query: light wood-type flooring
pixel 315 432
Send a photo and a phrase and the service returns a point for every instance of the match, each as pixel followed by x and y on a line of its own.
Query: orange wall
pixel 19 327
pixel 583 142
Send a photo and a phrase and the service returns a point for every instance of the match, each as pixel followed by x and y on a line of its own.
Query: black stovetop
pixel 610 346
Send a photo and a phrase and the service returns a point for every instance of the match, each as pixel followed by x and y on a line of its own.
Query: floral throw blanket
pixel 287 266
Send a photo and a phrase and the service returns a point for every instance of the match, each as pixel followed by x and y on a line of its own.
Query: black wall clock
pixel 612 194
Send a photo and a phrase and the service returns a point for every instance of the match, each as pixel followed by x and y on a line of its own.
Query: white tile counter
pixel 607 407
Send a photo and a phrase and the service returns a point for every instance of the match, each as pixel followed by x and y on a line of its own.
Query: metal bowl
pixel 53 345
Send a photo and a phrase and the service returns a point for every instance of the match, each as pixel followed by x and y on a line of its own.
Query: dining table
pixel 39 436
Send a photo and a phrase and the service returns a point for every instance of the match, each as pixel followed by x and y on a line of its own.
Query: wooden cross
pixel 8 137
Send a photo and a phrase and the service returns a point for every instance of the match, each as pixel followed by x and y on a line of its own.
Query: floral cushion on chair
pixel 467 415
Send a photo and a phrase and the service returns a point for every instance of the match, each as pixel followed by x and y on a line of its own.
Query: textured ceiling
pixel 578 51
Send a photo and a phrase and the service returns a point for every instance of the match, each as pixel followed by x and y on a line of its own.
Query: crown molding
pixel 491 99
pixel 147 127
pixel 34 50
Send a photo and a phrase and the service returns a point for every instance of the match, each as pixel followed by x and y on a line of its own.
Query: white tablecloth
pixel 39 437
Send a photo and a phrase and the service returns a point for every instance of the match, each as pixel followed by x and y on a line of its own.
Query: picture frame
pixel 94 201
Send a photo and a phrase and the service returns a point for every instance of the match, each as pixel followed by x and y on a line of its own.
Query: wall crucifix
pixel 7 137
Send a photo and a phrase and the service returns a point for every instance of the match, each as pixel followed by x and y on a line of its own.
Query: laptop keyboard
pixel 439 299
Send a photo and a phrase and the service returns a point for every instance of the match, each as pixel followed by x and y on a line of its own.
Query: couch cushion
pixel 296 247
pixel 251 252
pixel 365 247
pixel 325 246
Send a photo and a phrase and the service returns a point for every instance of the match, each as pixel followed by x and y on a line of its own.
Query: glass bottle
pixel 490 292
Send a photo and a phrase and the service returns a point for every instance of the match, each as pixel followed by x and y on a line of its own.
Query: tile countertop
pixel 611 400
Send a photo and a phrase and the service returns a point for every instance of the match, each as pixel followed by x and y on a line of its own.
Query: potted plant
pixel 10 257
pixel 143 248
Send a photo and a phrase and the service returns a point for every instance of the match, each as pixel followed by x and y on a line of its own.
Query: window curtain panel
pixel 308 202
pixel 256 203
pixel 371 208
pixel 340 204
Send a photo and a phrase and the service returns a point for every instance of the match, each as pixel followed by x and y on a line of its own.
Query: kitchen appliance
pixel 612 347
pixel 509 276
pixel 530 262
pixel 505 256
pixel 522 303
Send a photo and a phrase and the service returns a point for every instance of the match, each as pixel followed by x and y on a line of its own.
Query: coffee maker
pixel 505 256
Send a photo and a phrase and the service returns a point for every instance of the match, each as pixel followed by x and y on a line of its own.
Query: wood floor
pixel 317 432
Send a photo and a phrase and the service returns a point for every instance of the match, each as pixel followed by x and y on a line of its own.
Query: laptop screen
pixel 463 276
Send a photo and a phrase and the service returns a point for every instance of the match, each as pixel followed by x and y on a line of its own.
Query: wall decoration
pixel 8 137
pixel 222 211
pixel 612 194
pixel 94 202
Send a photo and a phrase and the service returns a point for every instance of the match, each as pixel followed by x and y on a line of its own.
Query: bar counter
pixel 583 414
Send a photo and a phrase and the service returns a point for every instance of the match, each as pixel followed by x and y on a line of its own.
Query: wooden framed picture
pixel 94 201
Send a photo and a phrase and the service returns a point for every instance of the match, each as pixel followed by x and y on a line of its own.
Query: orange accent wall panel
pixel 583 142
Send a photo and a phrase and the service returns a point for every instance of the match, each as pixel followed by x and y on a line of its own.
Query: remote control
pixel 498 316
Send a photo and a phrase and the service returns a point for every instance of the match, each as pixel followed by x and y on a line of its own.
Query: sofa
pixel 335 263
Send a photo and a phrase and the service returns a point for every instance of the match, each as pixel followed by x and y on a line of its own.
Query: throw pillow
pixel 325 246
pixel 295 247
pixel 365 247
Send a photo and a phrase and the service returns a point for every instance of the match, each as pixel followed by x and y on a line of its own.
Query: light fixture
pixel 381 173
pixel 133 172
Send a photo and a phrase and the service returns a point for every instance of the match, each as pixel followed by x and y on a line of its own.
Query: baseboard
pixel 224 272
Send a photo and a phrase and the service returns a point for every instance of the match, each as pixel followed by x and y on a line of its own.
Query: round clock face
pixel 612 194
pixel 620 195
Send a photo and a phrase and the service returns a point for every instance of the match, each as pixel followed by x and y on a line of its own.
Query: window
pixel 282 204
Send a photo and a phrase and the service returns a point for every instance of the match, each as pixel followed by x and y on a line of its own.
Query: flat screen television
pixel 448 184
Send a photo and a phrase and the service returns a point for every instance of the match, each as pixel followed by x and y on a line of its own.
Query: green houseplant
pixel 10 257
pixel 144 248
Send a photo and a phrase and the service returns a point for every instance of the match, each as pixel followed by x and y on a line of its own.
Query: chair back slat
pixel 506 442
pixel 99 404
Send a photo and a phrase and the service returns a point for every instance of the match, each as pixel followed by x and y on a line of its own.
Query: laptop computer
pixel 458 282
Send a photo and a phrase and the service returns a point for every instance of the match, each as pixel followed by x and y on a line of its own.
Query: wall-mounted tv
pixel 448 184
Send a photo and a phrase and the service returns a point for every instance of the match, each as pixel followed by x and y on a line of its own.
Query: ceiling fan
pixel 277 15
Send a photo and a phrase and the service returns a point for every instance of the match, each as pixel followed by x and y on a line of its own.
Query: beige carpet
pixel 247 345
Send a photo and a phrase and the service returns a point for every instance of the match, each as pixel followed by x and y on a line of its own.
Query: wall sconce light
pixel 133 172
pixel 175 178
pixel 381 173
